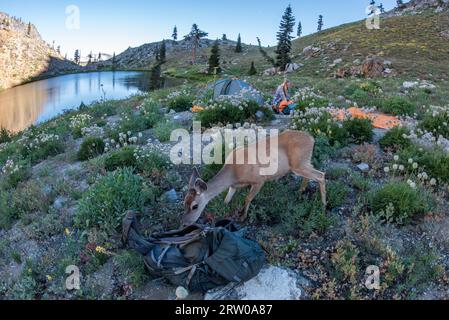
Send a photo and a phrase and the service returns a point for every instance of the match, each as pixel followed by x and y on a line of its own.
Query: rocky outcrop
pixel 144 55
pixel 24 55
pixel 417 6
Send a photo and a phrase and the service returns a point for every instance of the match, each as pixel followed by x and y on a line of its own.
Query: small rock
pixel 171 196
pixel 364 167
pixel 260 115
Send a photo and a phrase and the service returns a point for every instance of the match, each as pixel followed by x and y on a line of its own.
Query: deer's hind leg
pixel 309 173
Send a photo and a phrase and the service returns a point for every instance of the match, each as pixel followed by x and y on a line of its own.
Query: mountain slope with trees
pixel 24 55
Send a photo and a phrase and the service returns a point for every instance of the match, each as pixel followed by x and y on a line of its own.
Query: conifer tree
pixel 299 34
pixel 252 70
pixel 320 23
pixel 238 47
pixel 400 3
pixel 175 33
pixel 29 29
pixel 114 62
pixel 214 59
pixel 284 38
pixel 381 8
pixel 77 57
pixel 265 54
pixel 195 35
pixel 58 49
pixel 225 37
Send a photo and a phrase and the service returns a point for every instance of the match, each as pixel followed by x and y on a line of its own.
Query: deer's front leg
pixel 255 189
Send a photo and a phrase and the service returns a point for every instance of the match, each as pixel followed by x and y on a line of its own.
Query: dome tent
pixel 235 87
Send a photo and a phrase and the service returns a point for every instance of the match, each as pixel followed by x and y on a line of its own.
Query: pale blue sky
pixel 111 25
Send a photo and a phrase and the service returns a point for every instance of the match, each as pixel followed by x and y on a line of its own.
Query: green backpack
pixel 199 258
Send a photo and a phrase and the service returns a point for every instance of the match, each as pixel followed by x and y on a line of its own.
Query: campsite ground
pixel 43 207
pixel 65 184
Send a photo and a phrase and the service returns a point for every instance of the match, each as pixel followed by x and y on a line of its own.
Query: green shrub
pixel 398 106
pixel 163 130
pixel 151 113
pixel 13 173
pixel 181 102
pixel 320 123
pixel 337 192
pixel 359 130
pixel 436 120
pixel 230 111
pixel 91 148
pixel 434 161
pixel 395 139
pixel 5 135
pixel 40 146
pixel 398 202
pixel 323 151
pixel 151 162
pixel 120 159
pixel 105 203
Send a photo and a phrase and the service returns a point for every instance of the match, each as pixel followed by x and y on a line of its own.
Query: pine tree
pixel 99 56
pixel 156 71
pixel 284 38
pixel 162 52
pixel 195 36
pixel 175 33
pixel 114 62
pixel 320 23
pixel 214 59
pixel 400 3
pixel 252 71
pixel 77 57
pixel 299 34
pixel 381 8
pixel 58 49
pixel 29 29
pixel 238 47
pixel 90 58
pixel 265 54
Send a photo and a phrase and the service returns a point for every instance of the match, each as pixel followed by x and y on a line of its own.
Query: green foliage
pixel 337 192
pixel 323 151
pixel 91 148
pixel 252 70
pixel 398 202
pixel 436 120
pixel 359 130
pixel 132 267
pixel 150 112
pixel 321 123
pixel 14 173
pixel 396 139
pixel 228 112
pixel 180 101
pixel 105 203
pixel 284 38
pixel 120 159
pixel 435 161
pixel 214 59
pixel 151 162
pixel 398 106
pixel 5 135
pixel 163 130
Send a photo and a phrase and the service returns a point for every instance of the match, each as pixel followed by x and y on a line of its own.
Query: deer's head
pixel 195 201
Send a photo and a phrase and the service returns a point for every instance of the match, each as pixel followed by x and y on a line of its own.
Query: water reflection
pixel 42 100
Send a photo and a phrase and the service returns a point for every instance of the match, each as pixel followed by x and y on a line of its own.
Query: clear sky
pixel 112 25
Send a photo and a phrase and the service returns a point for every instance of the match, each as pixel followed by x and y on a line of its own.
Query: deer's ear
pixel 193 178
pixel 200 185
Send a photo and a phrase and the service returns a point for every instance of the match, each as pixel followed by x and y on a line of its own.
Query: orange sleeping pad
pixel 380 120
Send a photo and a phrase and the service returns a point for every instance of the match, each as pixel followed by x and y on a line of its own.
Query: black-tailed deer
pixel 294 154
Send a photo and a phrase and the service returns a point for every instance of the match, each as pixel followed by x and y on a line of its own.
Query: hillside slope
pixel 24 55
pixel 412 40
